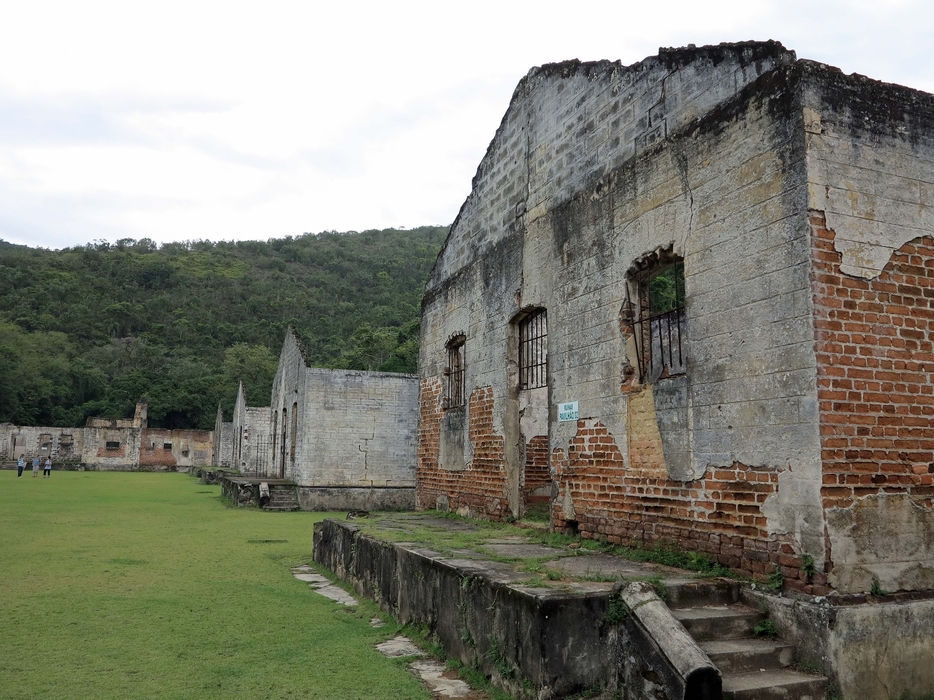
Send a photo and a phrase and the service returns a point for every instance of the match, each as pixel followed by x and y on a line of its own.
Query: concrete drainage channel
pixel 441 681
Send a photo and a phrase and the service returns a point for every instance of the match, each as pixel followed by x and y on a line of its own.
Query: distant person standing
pixel 20 465
pixel 35 466
pixel 47 472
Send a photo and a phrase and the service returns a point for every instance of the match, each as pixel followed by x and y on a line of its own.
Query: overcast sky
pixel 190 120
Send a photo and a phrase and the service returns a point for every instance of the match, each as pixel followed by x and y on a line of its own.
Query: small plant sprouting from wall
pixel 775 580
pixel 876 589
pixel 616 611
pixel 766 628
pixel 495 656
pixel 807 566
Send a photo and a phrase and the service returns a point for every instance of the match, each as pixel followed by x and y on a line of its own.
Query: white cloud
pixel 227 120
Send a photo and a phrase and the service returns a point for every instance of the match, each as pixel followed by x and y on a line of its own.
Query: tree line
pixel 89 330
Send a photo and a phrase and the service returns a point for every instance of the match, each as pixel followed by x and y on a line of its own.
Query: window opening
pixel 455 376
pixel 533 354
pixel 658 327
pixel 112 445
pixel 166 445
pixel 275 436
pixel 294 433
pixel 282 447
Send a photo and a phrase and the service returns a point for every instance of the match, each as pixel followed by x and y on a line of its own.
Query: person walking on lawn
pixel 20 465
pixel 47 472
pixel 35 466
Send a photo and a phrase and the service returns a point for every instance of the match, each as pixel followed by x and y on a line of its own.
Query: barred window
pixel 455 379
pixel 659 323
pixel 533 352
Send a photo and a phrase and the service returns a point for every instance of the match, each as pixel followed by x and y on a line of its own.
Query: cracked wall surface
pixel 721 157
pixel 594 167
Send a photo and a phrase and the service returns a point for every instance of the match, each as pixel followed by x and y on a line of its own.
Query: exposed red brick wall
pixel 874 361
pixel 104 452
pixel 719 515
pixel 156 458
pixel 482 485
pixel 537 473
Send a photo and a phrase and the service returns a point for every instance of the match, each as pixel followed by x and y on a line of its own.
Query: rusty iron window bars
pixel 659 326
pixel 533 352
pixel 456 388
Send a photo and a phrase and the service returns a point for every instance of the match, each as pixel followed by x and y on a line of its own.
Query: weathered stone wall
pixel 870 155
pixel 251 451
pixel 64 445
pixel 594 168
pixel 359 429
pixel 123 456
pixel 88 446
pixel 534 643
pixel 288 401
pixel 346 438
pixel 874 649
pixel 187 448
pixel 222 448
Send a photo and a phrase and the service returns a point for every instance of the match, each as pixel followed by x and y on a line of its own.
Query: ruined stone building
pixel 690 301
pixel 222 447
pixel 250 448
pixel 110 445
pixel 345 437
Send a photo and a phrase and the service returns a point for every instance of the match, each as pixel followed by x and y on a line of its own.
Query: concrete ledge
pixel 683 668
pixel 872 651
pixel 532 642
pixel 356 497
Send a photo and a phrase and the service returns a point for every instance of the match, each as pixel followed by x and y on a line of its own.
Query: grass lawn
pixel 138 585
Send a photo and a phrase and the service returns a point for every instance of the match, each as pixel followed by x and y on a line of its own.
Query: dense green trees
pixel 89 330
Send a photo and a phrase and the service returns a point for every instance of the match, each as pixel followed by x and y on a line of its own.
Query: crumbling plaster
pixel 870 168
pixel 596 165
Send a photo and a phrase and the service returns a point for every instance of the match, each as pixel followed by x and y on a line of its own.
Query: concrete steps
pixel 282 498
pixel 752 668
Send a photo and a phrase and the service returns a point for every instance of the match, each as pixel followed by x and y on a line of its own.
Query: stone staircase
pixel 752 667
pixel 282 497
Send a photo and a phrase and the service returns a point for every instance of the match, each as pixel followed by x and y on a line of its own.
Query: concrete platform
pixel 527 615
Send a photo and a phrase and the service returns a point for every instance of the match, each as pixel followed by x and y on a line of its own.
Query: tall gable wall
pixel 594 168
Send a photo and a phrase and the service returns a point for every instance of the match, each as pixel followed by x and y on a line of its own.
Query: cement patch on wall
pixel 884 538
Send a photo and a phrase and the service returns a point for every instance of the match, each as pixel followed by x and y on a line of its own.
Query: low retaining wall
pixel 873 650
pixel 535 643
pixel 555 642
pixel 356 498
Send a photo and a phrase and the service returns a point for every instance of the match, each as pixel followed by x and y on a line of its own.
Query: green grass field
pixel 137 585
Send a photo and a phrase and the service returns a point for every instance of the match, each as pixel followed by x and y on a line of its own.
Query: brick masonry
pixel 480 488
pixel 875 358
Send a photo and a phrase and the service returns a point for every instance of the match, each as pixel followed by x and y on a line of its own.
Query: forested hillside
pixel 89 330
